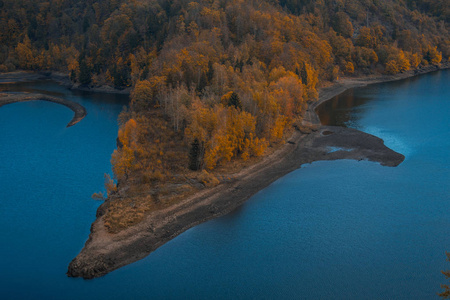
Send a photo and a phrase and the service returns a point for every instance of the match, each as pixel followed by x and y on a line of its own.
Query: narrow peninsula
pixel 105 252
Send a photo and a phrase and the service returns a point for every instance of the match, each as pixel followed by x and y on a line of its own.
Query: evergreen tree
pixel 202 83
pixel 210 72
pixel 85 73
pixel 195 155
pixel 304 75
pixel 234 101
pixel 73 76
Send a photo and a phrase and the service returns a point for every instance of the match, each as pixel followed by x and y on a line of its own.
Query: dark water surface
pixel 330 230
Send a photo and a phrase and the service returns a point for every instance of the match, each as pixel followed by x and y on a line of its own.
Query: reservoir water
pixel 330 230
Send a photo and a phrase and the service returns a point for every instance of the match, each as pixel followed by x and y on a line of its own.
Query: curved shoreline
pixel 78 109
pixel 104 252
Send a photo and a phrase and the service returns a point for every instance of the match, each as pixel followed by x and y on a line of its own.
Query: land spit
pixel 105 252
pixel 78 109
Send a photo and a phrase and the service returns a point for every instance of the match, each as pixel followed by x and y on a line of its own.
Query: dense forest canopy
pixel 111 40
pixel 215 80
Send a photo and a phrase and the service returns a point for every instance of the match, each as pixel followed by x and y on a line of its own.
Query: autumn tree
pixel 342 25
pixel 142 95
pixel 446 293
pixel 349 68
pixel 25 53
pixel 123 158
pixel 433 56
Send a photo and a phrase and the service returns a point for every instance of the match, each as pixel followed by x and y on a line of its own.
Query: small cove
pixel 340 229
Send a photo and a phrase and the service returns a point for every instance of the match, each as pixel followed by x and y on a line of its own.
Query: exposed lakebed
pixel 339 229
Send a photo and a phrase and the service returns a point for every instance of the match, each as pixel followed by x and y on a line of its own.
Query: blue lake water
pixel 330 230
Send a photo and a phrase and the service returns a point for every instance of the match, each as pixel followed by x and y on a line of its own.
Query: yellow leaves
pixel 144 92
pixel 141 94
pixel 224 99
pixel 124 157
pixel 193 30
pixel 122 161
pixel 146 146
pixel 208 179
pixel 288 91
pixel 342 47
pixel 391 67
pixel 310 78
pixel 319 49
pixel 433 55
pixel 277 130
pixel 25 54
pixel 276 46
pixel 253 147
pixel 414 60
pixel 110 185
pixel 403 62
pixel 128 133
pixel 193 6
pixel 366 38
pixel 226 145
pixel 211 157
pixel 276 73
pixel 203 122
pixel 397 62
pixel 225 132
pixel 42 61
pixel 349 68
pixel 258 146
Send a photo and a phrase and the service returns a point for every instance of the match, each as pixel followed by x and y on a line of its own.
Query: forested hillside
pixel 215 83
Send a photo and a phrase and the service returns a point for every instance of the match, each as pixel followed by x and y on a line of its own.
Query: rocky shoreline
pixel 105 252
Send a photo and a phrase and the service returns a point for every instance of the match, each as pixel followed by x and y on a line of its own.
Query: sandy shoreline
pixel 105 252
pixel 78 109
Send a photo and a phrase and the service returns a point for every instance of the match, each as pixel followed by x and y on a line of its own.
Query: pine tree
pixel 202 83
pixel 234 101
pixel 73 76
pixel 195 155
pixel 304 75
pixel 210 72
pixel 85 73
